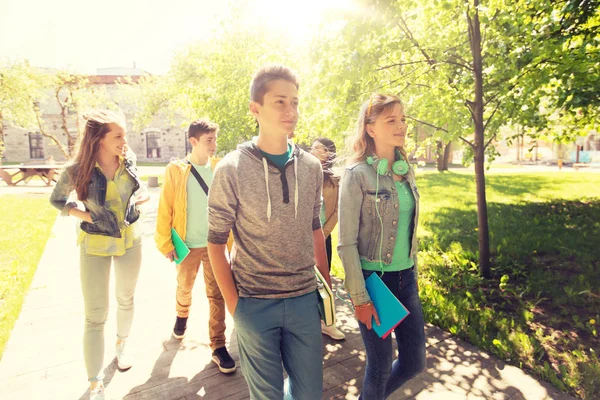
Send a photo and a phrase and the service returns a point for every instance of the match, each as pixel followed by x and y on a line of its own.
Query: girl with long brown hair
pixel 104 180
pixel 378 216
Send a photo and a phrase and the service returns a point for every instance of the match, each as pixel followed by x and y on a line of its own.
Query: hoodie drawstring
pixel 296 188
pixel 266 167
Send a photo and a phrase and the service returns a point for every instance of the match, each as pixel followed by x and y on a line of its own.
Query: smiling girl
pixel 378 215
pixel 105 182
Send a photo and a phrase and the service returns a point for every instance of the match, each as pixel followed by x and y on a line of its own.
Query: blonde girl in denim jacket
pixel 105 181
pixel 378 216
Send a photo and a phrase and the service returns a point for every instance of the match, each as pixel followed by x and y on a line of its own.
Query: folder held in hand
pixel 389 309
pixel 180 247
pixel 326 301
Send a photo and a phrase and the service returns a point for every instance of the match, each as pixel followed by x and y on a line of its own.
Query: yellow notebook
pixel 326 300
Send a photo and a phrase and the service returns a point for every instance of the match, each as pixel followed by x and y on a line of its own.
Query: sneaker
pixel 332 332
pixel 222 358
pixel 97 393
pixel 180 327
pixel 123 361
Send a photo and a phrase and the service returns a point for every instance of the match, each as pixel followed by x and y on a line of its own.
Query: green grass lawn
pixel 541 309
pixel 27 223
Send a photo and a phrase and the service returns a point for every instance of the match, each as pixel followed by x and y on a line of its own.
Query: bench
pixel 13 174
pixel 580 165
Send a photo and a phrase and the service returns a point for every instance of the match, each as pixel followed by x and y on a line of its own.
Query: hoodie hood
pixel 250 149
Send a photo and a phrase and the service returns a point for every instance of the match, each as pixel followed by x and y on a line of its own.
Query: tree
pixel 21 86
pixel 464 68
pixel 73 94
pixel 212 79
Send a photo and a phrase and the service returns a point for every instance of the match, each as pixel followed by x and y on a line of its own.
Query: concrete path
pixel 43 358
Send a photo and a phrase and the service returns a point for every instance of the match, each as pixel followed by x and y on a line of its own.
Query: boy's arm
pixel 321 254
pixel 318 237
pixel 222 211
pixel 223 275
pixel 164 218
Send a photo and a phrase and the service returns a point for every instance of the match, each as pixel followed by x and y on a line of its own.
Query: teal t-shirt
pixel 401 259
pixel 279 159
pixel 197 208
pixel 323 215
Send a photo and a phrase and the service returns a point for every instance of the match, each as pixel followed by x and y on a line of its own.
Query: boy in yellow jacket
pixel 183 206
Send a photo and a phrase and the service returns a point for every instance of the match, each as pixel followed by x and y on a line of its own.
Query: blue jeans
pixel 382 376
pixel 275 331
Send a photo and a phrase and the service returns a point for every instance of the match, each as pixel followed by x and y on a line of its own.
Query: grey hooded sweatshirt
pixel 272 213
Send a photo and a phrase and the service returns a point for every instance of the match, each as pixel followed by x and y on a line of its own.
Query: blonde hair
pixel 378 104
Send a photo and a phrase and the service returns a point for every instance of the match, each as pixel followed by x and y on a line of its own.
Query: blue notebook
pixel 390 310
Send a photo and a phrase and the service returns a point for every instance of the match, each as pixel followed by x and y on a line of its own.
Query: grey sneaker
pixel 332 332
pixel 97 393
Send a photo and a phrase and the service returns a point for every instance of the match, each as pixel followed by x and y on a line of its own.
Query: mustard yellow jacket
pixel 172 206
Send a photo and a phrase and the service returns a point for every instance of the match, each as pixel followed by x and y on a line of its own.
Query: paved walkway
pixel 43 359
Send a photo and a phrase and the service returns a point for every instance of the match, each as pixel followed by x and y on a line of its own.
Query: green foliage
pixel 540 308
pixel 20 86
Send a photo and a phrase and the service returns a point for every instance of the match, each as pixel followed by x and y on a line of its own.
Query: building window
pixel 152 144
pixel 36 145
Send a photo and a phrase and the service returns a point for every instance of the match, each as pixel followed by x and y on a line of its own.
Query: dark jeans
pixel 382 376
pixel 329 250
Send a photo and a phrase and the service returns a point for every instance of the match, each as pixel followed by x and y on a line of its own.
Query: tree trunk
pixel 64 110
pixel 477 114
pixel 447 151
pixel 443 155
pixel 439 151
pixel 40 123
pixel 1 137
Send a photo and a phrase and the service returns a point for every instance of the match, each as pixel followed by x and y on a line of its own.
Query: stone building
pixel 160 141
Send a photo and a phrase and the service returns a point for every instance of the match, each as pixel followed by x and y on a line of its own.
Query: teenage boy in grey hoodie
pixel 268 192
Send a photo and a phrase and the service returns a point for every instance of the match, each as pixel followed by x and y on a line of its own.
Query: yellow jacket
pixel 172 206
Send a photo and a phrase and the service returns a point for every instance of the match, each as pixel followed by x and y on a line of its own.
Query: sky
pixel 81 35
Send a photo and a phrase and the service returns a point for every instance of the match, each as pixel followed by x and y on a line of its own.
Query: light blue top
pixel 323 215
pixel 197 208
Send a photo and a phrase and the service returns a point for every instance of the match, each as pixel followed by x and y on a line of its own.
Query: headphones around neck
pixel 399 167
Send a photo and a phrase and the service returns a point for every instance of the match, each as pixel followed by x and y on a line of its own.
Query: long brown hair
pixel 96 127
pixel 328 173
pixel 363 145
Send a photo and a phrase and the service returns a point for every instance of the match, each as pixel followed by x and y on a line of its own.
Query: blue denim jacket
pixel 359 225
pixel 105 221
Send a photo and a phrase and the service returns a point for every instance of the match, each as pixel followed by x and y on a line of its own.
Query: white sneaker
pixel 332 332
pixel 123 361
pixel 97 393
